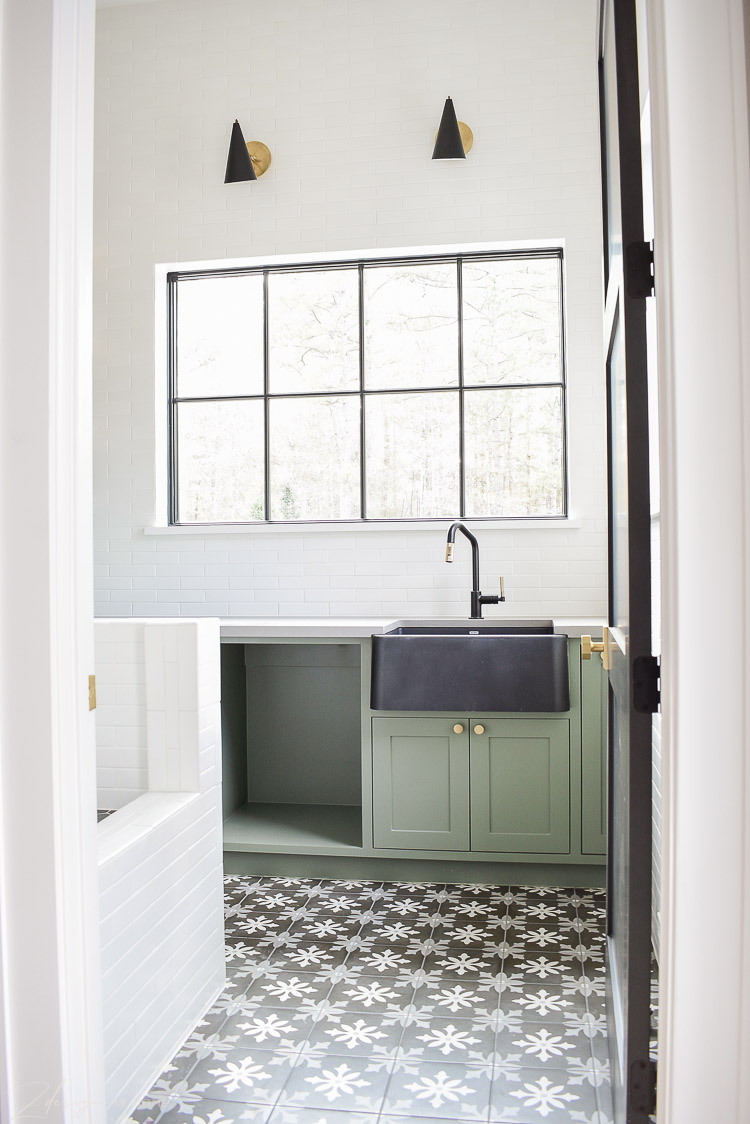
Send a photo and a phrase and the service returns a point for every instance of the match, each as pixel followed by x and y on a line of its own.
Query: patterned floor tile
pixel 604 1103
pixel 432 1002
pixel 343 1083
pixel 540 1003
pixel 532 1095
pixel 448 1040
pixel 384 960
pixel 307 956
pixel 371 993
pixel 247 1075
pixel 290 1115
pixel 462 964
pixel 394 931
pixel 219 1112
pixel 142 1115
pixel 356 1034
pixel 286 989
pixel 393 1119
pixel 181 1095
pixel 537 1046
pixel 265 1027
pixel 323 927
pixel 443 1090
pixel 241 950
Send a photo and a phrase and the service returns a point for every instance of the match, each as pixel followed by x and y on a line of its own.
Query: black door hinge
pixel 639 269
pixel 642 1091
pixel 646 690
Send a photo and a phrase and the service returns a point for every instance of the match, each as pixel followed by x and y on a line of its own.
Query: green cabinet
pixel 472 783
pixel 420 780
pixel 520 785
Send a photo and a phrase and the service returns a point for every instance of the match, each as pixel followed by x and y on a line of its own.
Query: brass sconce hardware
pixel 260 155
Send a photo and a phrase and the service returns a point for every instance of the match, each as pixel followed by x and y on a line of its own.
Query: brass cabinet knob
pixel 458 728
pixel 479 729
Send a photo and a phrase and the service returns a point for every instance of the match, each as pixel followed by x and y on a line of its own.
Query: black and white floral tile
pixel 357 1002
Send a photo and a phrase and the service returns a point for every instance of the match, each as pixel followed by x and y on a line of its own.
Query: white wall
pixel 348 96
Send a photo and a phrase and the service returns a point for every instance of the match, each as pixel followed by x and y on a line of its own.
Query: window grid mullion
pixel 374 392
pixel 266 405
pixel 461 433
pixel 172 466
pixel 362 418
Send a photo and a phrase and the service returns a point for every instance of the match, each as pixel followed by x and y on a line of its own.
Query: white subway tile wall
pixel 160 859
pixel 162 937
pixel 347 95
pixel 121 754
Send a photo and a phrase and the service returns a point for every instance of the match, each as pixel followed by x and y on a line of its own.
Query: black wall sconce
pixel 454 138
pixel 246 161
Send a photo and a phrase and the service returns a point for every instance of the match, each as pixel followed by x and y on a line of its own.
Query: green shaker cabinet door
pixel 421 783
pixel 594 688
pixel 520 785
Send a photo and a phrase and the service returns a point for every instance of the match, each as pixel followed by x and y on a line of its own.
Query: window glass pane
pixel 313 331
pixel 314 458
pixel 514 452
pixel 220 462
pixel 411 330
pixel 220 336
pixel 412 455
pixel 511 321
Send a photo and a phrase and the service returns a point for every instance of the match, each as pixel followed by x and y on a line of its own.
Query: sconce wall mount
pixel 246 160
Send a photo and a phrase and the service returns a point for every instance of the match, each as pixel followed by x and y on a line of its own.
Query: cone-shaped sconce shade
pixel 448 143
pixel 239 165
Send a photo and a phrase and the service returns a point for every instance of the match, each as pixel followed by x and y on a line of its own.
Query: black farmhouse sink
pixel 471 666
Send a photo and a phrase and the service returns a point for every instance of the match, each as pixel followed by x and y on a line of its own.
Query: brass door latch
pixel 588 646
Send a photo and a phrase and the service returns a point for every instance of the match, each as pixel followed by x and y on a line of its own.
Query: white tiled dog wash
pixel 160 855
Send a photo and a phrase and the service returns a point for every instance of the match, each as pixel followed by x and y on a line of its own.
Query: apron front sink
pixel 471 666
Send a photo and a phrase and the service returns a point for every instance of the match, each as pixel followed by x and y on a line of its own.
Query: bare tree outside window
pixel 418 389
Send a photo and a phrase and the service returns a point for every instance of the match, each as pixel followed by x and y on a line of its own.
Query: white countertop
pixel 238 628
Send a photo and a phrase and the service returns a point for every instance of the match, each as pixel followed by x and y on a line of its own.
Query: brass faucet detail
pixel 478 599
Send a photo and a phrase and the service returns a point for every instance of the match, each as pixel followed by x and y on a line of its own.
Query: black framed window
pixel 420 388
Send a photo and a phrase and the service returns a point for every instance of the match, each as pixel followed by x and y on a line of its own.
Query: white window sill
pixel 335 528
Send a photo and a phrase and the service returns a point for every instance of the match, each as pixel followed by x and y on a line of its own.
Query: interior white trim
pixel 702 245
pixel 354 527
pixel 50 944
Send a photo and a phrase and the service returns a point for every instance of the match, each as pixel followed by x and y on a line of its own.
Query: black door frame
pixel 629 640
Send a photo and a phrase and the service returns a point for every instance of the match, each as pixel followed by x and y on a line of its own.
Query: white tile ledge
pixel 335 528
pixel 129 824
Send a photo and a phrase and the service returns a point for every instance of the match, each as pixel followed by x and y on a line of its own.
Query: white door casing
pixel 50 1067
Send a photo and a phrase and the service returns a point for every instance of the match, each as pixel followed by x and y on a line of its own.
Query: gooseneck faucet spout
pixel 478 599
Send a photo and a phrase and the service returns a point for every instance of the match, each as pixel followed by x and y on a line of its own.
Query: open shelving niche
pixel 292 746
